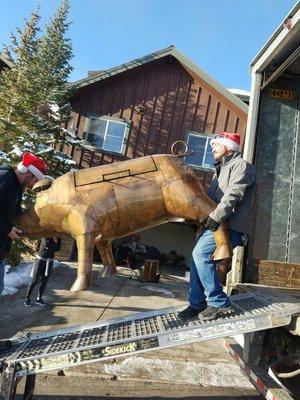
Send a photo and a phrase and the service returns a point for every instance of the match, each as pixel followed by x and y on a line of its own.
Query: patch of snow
pixel 16 278
pixel 240 91
pixel 74 141
pixel 70 162
pixel 159 290
pixel 27 144
pixel 45 150
pixel 16 150
pixel 203 373
pixel 55 111
pixel 19 276
pixel 4 156
pixel 64 159
pixel 71 131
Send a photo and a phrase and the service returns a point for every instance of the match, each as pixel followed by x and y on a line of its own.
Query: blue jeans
pixel 205 287
pixel 1 276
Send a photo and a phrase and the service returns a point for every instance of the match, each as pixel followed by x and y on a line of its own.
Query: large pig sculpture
pixel 98 204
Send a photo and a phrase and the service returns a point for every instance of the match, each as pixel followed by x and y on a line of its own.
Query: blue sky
pixel 220 36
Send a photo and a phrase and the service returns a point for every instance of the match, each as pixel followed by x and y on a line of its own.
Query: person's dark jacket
pixel 48 246
pixel 10 205
pixel 232 188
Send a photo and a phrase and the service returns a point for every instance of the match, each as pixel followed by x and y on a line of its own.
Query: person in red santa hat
pixel 232 189
pixel 12 183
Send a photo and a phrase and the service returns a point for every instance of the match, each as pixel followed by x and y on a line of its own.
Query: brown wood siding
pixel 162 102
pixel 274 273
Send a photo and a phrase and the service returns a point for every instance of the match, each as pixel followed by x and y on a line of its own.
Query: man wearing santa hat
pixel 232 189
pixel 12 183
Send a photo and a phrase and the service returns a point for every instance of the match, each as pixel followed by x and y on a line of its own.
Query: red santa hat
pixel 36 165
pixel 230 140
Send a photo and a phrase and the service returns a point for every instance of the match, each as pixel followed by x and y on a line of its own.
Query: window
pixel 72 128
pixel 202 155
pixel 106 134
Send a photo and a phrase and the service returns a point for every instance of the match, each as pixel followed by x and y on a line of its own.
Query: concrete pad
pixel 203 363
pixel 52 387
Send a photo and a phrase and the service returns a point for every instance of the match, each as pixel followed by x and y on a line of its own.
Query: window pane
pixel 95 140
pixel 196 144
pixel 209 158
pixel 96 131
pixel 113 143
pixel 114 136
pixel 97 125
pixel 116 129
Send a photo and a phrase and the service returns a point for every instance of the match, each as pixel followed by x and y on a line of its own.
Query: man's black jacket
pixel 10 204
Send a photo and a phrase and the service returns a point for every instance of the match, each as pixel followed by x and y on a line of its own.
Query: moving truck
pixel 272 144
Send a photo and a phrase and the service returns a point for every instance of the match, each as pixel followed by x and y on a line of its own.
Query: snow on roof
pixel 240 92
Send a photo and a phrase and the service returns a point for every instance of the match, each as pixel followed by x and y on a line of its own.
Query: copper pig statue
pixel 98 204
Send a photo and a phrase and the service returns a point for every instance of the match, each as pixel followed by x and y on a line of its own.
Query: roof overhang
pixel 282 49
pixel 186 63
pixel 4 62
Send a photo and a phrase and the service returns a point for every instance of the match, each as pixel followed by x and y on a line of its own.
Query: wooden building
pixel 4 63
pixel 142 107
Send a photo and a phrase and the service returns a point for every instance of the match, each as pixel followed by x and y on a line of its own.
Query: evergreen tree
pixel 34 99
pixel 54 53
pixel 34 94
pixel 16 86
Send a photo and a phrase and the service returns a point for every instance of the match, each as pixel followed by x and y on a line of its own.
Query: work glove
pixel 210 223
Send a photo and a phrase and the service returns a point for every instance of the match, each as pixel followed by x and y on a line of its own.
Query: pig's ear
pixel 41 185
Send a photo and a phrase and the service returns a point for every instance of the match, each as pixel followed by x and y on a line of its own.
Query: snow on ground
pixel 17 277
pixel 159 290
pixel 186 371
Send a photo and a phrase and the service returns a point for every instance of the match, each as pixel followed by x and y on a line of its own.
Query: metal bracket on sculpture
pixel 176 153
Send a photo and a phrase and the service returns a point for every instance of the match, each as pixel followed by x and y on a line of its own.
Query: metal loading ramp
pixel 82 344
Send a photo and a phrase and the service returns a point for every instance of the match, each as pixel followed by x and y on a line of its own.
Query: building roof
pixel 4 62
pixel 169 51
pixel 241 94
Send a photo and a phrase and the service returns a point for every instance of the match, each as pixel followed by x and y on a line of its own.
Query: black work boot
pixel 190 312
pixel 27 303
pixel 215 312
pixel 5 344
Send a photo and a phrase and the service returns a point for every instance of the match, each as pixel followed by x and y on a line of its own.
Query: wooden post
pixel 235 275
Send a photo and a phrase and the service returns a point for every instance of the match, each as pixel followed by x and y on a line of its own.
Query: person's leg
pixel 201 255
pixel 197 297
pixel 42 287
pixel 219 303
pixel 206 270
pixel 2 270
pixel 204 280
pixel 45 274
pixel 34 279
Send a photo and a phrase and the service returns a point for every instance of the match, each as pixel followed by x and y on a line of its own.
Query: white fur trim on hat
pixel 36 172
pixel 229 144
pixel 22 168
